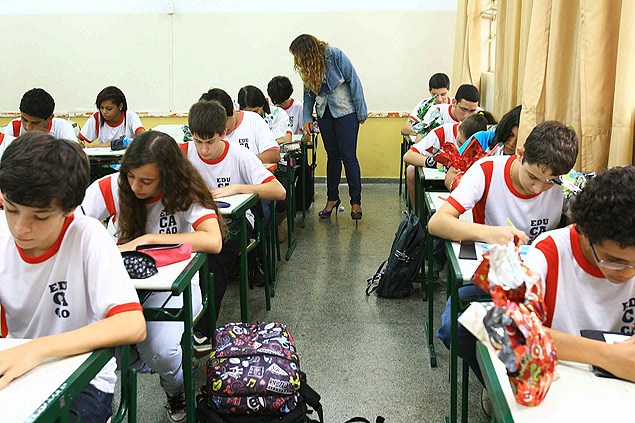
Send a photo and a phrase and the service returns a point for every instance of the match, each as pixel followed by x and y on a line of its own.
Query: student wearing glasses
pixel 588 273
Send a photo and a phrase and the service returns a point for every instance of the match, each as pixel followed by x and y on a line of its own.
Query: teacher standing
pixel 332 85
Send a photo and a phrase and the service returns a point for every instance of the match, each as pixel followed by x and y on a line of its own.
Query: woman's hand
pixel 307 127
pixel 361 122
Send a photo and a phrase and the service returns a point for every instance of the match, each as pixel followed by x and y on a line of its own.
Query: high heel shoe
pixel 325 213
pixel 356 215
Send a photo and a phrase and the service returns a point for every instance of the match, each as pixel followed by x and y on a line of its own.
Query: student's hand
pixel 16 361
pixel 132 245
pixel 503 234
pixel 619 359
pixel 630 340
pixel 225 191
pixel 361 122
pixel 1 200
pixel 307 127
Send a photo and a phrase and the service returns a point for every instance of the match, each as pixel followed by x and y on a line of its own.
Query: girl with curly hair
pixel 158 197
pixel 333 87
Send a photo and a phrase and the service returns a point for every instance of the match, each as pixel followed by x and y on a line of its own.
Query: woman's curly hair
pixel 604 208
pixel 181 184
pixel 308 60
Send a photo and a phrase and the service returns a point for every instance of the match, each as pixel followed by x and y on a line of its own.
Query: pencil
pixel 510 222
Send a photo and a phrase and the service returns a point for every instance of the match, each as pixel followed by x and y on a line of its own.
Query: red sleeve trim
pixel 271 166
pixel 105 186
pixel 289 132
pixel 272 148
pixel 84 138
pixel 184 147
pixel 549 249
pixel 415 150
pixel 4 329
pixel 122 308
pixel 478 213
pixel 203 219
pixel 1 137
pixel 17 127
pixel 413 118
pixel 137 130
pixel 269 179
pixel 456 205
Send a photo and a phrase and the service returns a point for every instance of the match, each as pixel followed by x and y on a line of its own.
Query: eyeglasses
pixel 609 264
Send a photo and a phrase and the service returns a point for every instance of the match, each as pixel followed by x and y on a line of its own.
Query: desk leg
pixel 188 353
pixel 454 316
pixel 401 165
pixel 430 289
pixel 303 170
pixel 290 212
pixel 244 312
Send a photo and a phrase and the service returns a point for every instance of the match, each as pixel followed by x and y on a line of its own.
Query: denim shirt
pixel 341 91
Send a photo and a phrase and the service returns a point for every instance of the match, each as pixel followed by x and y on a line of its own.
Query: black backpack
pixel 305 179
pixel 406 257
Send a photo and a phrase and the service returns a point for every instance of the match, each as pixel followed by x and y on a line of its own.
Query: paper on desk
pixel 612 338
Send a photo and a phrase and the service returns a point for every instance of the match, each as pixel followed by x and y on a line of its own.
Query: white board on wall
pixel 164 62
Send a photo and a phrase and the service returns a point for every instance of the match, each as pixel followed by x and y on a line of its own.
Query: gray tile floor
pixel 366 356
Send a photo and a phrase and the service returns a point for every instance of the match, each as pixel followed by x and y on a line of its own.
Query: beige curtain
pixel 578 68
pixel 466 66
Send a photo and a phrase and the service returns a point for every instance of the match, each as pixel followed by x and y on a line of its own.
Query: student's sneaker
pixel 486 403
pixel 202 344
pixel 176 407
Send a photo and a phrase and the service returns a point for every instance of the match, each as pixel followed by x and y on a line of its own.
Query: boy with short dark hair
pixel 36 114
pixel 62 280
pixel 246 128
pixel 227 169
pixel 439 86
pixel 516 188
pixel 588 273
pixel 280 90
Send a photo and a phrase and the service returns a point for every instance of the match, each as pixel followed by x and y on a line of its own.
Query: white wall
pixel 164 62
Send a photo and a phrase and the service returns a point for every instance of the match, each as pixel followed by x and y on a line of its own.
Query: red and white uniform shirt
pixel 415 115
pixel 59 128
pixel 278 122
pixel 444 133
pixel 487 189
pixel 127 127
pixel 295 116
pixel 5 140
pixel 252 132
pixel 80 280
pixel 102 201
pixel 236 165
pixel 577 295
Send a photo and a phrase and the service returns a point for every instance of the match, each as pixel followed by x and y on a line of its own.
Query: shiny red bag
pixel 165 254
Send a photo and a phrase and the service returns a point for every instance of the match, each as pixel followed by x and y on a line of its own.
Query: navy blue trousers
pixel 340 142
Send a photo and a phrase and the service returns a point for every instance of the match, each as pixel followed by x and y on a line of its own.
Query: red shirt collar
pixel 220 159
pixel 53 249
pixel 585 264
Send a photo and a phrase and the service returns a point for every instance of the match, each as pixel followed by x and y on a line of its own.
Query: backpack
pixel 254 375
pixel 406 258
pixel 305 179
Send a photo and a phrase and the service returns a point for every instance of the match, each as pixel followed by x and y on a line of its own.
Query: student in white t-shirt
pixel 251 99
pixel 588 273
pixel 36 114
pixel 439 88
pixel 246 128
pixel 280 90
pixel 112 121
pixel 514 187
pixel 158 197
pixel 227 169
pixel 501 189
pixel 62 280
pixel 455 133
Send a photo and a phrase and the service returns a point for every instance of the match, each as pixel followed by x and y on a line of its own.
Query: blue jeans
pixel 340 142
pixel 91 406
pixel 466 342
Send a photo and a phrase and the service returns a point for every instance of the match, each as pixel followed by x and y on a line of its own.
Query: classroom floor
pixel 366 356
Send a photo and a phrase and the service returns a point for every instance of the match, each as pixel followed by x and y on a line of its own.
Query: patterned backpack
pixel 255 371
